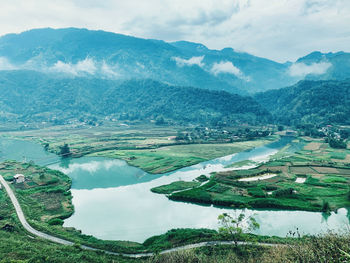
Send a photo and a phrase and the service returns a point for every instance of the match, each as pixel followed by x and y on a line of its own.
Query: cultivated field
pixel 308 180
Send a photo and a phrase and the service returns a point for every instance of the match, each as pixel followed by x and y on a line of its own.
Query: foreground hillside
pixel 318 102
pixel 31 96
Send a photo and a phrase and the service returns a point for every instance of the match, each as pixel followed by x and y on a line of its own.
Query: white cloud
pixel 189 62
pixel 228 68
pixel 87 65
pixel 276 29
pixel 5 64
pixel 301 69
pixel 84 66
pixel 107 71
pixel 90 167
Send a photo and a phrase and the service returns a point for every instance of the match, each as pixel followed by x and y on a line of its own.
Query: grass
pixel 241 164
pixel 175 186
pixel 327 181
pixel 338 155
pixel 151 148
pixel 325 248
pixel 40 203
pixel 169 158
pixel 46 204
pixel 16 245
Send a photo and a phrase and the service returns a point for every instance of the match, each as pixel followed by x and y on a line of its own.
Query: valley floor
pixel 154 149
pixel 46 199
pixel 314 179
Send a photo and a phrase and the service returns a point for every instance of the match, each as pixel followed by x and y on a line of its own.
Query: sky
pixel 282 30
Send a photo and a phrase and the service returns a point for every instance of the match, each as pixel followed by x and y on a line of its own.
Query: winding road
pixel 57 240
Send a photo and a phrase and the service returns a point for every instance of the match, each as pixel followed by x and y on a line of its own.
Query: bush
pixel 326 207
pixel 256 192
pixel 283 192
pixel 55 221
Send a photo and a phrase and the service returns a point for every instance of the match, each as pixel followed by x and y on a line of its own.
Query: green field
pixel 175 186
pixel 151 148
pixel 326 187
pixel 169 158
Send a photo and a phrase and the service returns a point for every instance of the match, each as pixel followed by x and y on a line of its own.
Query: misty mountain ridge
pixel 29 96
pixel 73 52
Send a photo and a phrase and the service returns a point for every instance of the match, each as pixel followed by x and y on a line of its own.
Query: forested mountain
pixel 317 102
pixel 98 54
pixel 33 96
pixel 58 74
pixel 332 66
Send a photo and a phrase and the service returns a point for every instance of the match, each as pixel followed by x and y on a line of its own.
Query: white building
pixel 19 178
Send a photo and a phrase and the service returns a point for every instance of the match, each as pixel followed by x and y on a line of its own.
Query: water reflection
pixel 113 200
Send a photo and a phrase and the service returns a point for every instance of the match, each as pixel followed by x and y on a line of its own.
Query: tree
pixel 336 143
pixel 326 208
pixel 236 227
pixel 65 151
pixel 46 146
pixel 160 120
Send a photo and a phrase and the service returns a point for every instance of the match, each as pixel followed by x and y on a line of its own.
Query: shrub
pixel 55 221
pixel 256 192
pixel 283 192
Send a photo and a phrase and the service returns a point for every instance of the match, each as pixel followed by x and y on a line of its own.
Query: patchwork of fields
pixel 308 180
pixel 151 148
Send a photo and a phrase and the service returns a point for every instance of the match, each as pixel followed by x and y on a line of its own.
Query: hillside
pixel 317 102
pixel 32 96
pixel 82 52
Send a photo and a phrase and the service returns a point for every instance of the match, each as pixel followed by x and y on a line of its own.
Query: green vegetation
pixel 64 150
pixel 323 248
pixel 309 102
pixel 153 149
pixel 36 97
pixel 337 143
pixel 169 158
pixel 180 237
pixel 324 188
pixel 235 227
pixel 17 246
pixel 45 204
pixel 241 164
pixel 202 178
pixel 174 186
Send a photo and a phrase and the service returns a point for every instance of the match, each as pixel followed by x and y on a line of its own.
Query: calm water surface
pixel 113 200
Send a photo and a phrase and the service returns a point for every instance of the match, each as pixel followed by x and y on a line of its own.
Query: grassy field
pixel 151 148
pixel 169 158
pixel 46 199
pixel 322 249
pixel 45 195
pixel 326 185
pixel 174 186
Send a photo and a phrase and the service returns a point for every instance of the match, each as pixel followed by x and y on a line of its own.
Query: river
pixel 113 200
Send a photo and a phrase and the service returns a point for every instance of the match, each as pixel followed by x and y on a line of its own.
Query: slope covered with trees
pixel 32 96
pixel 317 102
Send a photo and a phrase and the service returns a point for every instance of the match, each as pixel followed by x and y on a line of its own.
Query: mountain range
pixel 98 54
pixel 57 75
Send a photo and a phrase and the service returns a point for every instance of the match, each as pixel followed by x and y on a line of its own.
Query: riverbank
pixel 170 239
pixel 46 200
pixel 308 180
pixel 153 149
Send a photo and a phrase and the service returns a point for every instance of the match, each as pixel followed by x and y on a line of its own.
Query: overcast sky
pixel 276 29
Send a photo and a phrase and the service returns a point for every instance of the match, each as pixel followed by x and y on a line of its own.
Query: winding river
pixel 113 200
